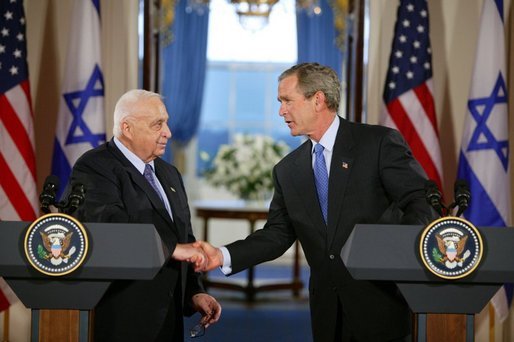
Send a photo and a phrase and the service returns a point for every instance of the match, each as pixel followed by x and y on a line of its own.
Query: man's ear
pixel 319 100
pixel 126 129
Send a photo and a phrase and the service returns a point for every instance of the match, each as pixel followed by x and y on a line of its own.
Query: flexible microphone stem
pixel 462 196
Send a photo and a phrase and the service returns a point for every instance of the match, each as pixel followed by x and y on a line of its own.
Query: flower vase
pixel 261 200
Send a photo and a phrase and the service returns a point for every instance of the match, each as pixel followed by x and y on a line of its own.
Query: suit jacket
pixel 373 179
pixel 117 192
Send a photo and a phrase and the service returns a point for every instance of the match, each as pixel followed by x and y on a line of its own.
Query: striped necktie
pixel 321 178
pixel 148 173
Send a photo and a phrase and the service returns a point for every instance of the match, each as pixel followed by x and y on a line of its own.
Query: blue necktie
pixel 149 177
pixel 321 177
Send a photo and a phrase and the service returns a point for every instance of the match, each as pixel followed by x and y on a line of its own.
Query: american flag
pixel 408 92
pixel 18 197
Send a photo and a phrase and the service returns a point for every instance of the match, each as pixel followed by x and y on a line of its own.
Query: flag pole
pixel 5 337
pixel 491 323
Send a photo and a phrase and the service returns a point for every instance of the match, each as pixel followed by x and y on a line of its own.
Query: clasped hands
pixel 201 254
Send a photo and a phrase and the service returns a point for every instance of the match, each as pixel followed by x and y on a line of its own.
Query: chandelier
pixel 254 14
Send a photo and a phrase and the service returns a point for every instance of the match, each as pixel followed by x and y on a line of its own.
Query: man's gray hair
pixel 313 77
pixel 126 106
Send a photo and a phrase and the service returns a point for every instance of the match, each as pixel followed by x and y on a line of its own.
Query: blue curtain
pixel 317 38
pixel 183 72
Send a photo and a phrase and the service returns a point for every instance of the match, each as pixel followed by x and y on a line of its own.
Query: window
pixel 242 78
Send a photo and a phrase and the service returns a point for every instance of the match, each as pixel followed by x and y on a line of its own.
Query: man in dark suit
pixel 126 181
pixel 372 178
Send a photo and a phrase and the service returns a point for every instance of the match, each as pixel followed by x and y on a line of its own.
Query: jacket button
pixel 331 256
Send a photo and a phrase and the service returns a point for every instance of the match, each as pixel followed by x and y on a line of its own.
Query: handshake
pixel 201 254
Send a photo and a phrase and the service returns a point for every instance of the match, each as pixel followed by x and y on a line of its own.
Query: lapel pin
pixel 172 189
pixel 345 165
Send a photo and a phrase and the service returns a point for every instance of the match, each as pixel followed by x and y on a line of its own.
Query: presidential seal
pixel 451 247
pixel 56 244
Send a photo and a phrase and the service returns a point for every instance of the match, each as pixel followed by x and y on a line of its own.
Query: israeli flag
pixel 81 119
pixel 484 155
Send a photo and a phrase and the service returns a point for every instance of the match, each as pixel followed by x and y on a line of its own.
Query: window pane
pixel 228 41
pixel 250 96
pixel 215 103
pixel 242 78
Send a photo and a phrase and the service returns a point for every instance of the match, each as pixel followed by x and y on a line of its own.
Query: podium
pixel 391 253
pixel 113 255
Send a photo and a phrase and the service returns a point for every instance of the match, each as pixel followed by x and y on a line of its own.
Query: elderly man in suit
pixel 126 181
pixel 344 173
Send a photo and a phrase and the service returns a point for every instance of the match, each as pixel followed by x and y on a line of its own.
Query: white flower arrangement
pixel 245 166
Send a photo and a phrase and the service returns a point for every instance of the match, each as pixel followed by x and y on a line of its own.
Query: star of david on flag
pixel 481 109
pixel 484 154
pixel 81 120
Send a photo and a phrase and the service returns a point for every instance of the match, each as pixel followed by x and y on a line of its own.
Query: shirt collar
pixel 329 138
pixel 134 160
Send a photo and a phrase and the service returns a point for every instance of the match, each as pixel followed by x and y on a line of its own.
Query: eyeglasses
pixel 197 331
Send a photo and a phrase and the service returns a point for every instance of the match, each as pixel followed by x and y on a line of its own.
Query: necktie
pixel 321 178
pixel 149 177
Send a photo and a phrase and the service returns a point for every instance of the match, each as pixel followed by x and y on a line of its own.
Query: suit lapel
pixel 138 179
pixel 171 188
pixel 305 185
pixel 340 169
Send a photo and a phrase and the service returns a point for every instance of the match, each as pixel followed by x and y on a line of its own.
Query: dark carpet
pixel 273 316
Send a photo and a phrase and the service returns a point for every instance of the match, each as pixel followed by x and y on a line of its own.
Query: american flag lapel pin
pixel 344 165
pixel 172 189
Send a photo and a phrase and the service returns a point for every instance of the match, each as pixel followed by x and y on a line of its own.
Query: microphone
pixel 76 197
pixel 462 195
pixel 433 196
pixel 47 196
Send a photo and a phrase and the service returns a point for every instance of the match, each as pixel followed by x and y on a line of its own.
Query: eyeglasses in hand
pixel 197 331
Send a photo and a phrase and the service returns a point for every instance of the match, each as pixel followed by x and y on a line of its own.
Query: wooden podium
pixel 390 253
pixel 61 306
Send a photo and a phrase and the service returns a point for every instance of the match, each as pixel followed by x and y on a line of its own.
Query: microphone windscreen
pixel 430 185
pixel 461 185
pixel 52 180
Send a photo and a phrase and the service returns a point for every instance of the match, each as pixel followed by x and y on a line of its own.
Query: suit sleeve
pixel 268 243
pixel 404 179
pixel 103 200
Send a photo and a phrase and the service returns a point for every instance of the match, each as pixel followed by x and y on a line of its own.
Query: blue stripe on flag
pixel 60 167
pixel 499 5
pixel 96 3
pixel 481 210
